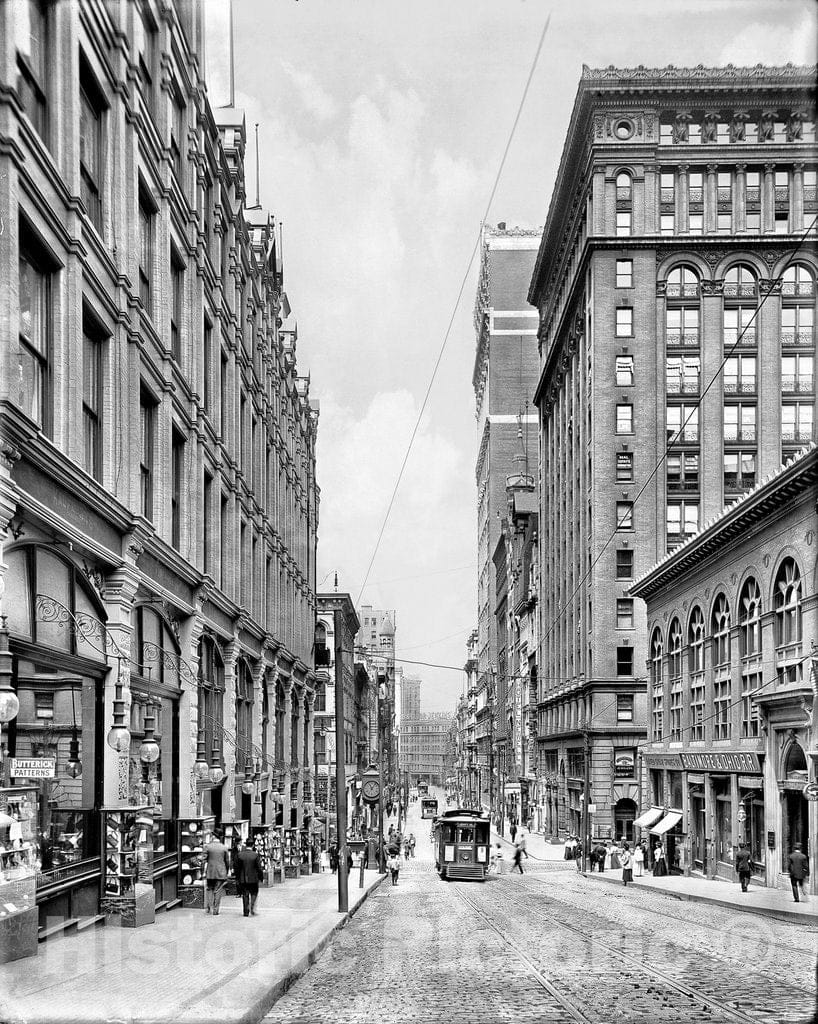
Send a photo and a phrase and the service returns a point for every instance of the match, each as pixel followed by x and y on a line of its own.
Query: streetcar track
pixel 707 1003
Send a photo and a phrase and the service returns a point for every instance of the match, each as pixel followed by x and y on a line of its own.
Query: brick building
pixel 158 503
pixel 504 377
pixel 671 258
pixel 426 749
pixel 733 624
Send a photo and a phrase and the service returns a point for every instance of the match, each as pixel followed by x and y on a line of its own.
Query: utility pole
pixel 340 777
pixel 586 796
pixel 381 856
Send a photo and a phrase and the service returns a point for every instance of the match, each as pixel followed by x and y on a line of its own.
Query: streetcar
pixel 423 788
pixel 461 842
pixel 428 807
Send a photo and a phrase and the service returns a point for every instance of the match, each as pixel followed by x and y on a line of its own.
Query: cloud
pixel 317 101
pixel 772 43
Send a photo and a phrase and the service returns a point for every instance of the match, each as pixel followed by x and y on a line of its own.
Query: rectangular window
pixel 207 514
pixel 682 326
pixel 624 707
pixel 34 335
pixel 796 421
pixel 224 542
pixel 207 360
pixel 147 415
pixel 739 471
pixel 696 224
pixel 781 223
pixel 624 661
pixel 624 371
pixel 624 419
pixel 682 424
pixel 177 135
pixel 43 705
pixel 92 399
pixel 797 374
pixel 177 487
pixel 753 218
pixel 147 58
pixel 624 515
pixel 624 467
pixel 92 112
pixel 721 707
pixel 749 711
pixel 739 326
pixel 624 613
pixel 683 471
pixel 33 62
pixel 177 284
pixel 740 375
pixel 797 325
pixel 667 224
pixel 682 520
pixel 752 187
pixel 739 423
pixel 667 184
pixel 624 322
pixel 724 222
pixel 624 563
pixel 623 224
pixel 224 407
pixel 682 375
pixel 146 215
pixel 624 273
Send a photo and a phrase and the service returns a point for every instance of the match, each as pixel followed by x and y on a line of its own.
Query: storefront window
pixel 657 781
pixel 676 790
pixel 724 809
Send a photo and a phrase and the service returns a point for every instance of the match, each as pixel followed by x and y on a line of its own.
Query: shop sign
pixel 33 767
pixel 721 761
pixel 624 764
pixel 662 760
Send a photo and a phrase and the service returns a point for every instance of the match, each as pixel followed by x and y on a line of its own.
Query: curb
pixel 264 1003
pixel 688 897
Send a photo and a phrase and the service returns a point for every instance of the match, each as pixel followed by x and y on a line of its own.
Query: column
pixel 768 199
pixel 287 747
pixel 682 200
pixel 740 200
pixel 191 634
pixel 259 674
pixel 797 198
pixel 231 653
pixel 710 199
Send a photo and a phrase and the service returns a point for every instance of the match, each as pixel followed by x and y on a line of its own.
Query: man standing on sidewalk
pixel 217 868
pixel 249 872
pixel 743 866
pixel 799 871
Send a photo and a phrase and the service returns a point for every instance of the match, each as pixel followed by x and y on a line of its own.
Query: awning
pixel 666 824
pixel 648 818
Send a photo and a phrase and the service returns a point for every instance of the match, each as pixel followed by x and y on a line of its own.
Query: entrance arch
pixel 624 814
pixel 794 805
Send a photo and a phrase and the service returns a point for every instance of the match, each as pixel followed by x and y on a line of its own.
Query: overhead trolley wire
pixel 456 304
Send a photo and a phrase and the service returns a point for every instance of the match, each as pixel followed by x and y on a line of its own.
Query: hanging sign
pixel 33 767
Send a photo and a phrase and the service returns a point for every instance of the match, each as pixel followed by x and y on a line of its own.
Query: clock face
pixel 370 789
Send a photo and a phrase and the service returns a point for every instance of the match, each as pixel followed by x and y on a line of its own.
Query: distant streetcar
pixel 428 807
pixel 461 842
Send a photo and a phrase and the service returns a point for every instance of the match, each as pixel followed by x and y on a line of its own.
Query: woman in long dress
pixel 638 860
pixel 659 862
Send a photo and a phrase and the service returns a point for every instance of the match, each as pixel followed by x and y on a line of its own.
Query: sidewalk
pixel 188 966
pixel 777 903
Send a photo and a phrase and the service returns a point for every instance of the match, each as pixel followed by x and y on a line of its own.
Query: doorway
pixel 624 815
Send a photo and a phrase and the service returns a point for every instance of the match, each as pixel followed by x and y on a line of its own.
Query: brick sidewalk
pixel 187 967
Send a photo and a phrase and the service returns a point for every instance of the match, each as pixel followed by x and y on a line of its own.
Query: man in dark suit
pixel 217 868
pixel 743 866
pixel 249 872
pixel 799 871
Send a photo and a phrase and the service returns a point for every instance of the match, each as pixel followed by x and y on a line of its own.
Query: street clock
pixel 371 785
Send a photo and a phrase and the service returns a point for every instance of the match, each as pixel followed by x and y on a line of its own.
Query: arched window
pixel 682 283
pixel 656 658
pixel 740 282
pixel 721 631
pixel 279 722
pixel 244 714
pixel 294 709
pixel 211 693
pixel 798 280
pixel 749 613
pixel 695 641
pixel 675 669
pixel 623 187
pixel 154 648
pixel 657 684
pixel 624 197
pixel 795 766
pixel 320 696
pixel 787 603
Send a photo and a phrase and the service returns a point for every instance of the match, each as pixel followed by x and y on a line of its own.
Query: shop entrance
pixel 697 837
pixel 795 823
pixel 624 815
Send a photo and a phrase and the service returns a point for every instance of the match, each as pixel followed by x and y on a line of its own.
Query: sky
pixel 381 129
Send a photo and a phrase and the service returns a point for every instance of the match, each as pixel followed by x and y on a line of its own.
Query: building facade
pixel 377 637
pixel 425 749
pixel 158 502
pixel 733 626
pixel 671 273
pixel 504 377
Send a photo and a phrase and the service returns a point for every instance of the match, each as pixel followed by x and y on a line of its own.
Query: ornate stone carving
pixel 770 286
pixel 738 126
pixel 728 72
pixel 9 454
pixel 770 257
pixel 94 576
pixel 712 287
pixel 661 288
pixel 795 126
pixel 766 561
pixel 711 257
pixel 710 127
pixel 766 126
pixel 681 126
pixel 809 536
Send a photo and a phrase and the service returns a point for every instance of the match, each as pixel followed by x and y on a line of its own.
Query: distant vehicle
pixel 423 787
pixel 428 807
pixel 461 841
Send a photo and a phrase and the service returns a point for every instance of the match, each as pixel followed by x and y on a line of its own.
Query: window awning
pixel 649 817
pixel 666 824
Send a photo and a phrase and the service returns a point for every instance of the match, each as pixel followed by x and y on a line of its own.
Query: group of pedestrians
pixel 520 851
pixel 395 843
pixel 247 868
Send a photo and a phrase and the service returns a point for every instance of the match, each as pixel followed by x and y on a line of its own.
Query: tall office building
pixel 677 305
pixel 505 373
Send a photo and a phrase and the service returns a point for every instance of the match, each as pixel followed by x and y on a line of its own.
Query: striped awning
pixel 666 824
pixel 649 817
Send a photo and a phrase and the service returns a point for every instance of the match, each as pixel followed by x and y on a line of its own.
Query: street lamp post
pixel 340 778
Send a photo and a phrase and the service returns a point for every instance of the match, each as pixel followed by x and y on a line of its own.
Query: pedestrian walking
pixel 599 857
pixel 799 872
pixel 638 860
pixel 412 843
pixel 406 850
pixel 517 861
pixel 521 842
pixel 659 862
pixel 578 854
pixel 743 866
pixel 333 858
pixel 498 858
pixel 394 867
pixel 626 860
pixel 512 830
pixel 217 868
pixel 249 872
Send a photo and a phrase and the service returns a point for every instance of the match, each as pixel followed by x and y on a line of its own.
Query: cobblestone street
pixel 551 946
